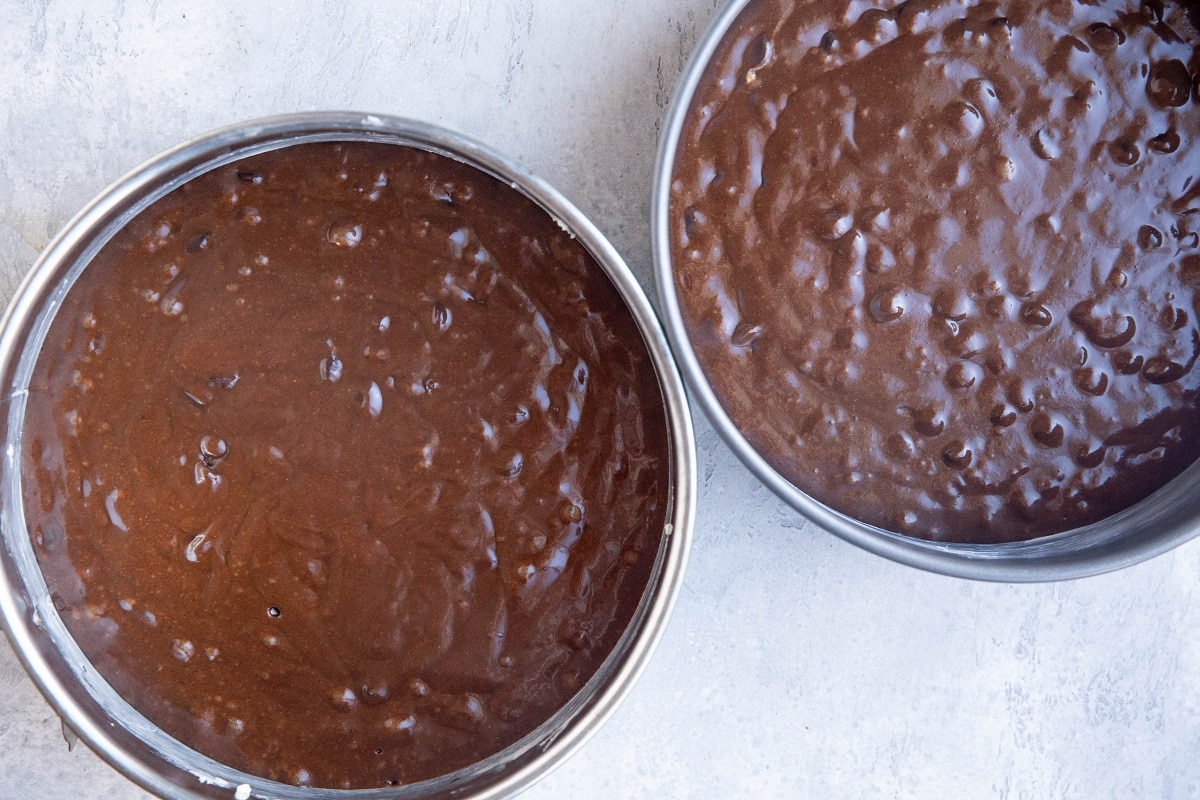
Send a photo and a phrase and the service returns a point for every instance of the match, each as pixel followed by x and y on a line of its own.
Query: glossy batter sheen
pixel 939 260
pixel 346 465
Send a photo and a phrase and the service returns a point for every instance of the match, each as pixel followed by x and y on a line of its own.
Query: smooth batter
pixel 345 465
pixel 939 260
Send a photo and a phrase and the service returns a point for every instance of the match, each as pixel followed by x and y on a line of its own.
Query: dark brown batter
pixel 346 465
pixel 939 260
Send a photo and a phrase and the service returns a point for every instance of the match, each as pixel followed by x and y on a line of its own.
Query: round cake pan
pixel 1162 521
pixel 86 703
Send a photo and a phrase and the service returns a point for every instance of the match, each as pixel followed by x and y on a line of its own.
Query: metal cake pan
pixel 1159 523
pixel 86 703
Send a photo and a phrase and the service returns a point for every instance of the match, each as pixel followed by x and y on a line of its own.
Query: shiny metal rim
pixel 88 705
pixel 1150 528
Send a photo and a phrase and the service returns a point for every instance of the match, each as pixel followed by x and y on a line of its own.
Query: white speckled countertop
pixel 795 666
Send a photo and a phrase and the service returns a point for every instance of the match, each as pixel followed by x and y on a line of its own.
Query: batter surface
pixel 345 465
pixel 939 260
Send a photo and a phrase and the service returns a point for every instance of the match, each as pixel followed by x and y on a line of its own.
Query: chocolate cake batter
pixel 346 465
pixel 939 260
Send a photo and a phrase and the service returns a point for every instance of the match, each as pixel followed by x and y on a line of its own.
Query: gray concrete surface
pixel 795 666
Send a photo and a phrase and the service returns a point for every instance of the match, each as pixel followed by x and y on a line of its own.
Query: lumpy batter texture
pixel 345 464
pixel 939 260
